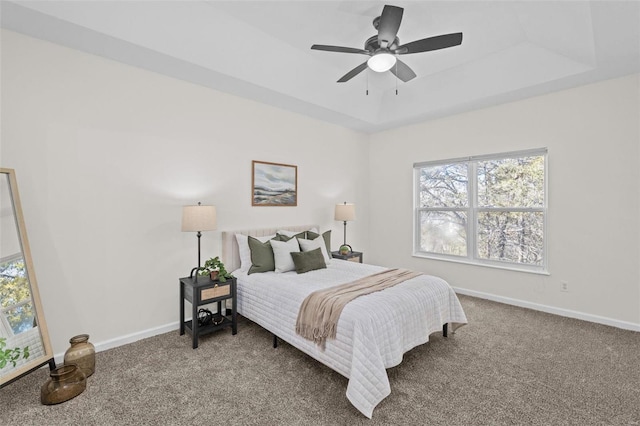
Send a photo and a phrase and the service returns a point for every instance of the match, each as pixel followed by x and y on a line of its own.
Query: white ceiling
pixel 261 49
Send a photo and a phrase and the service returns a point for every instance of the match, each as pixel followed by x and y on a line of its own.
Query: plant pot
pixel 64 383
pixel 214 275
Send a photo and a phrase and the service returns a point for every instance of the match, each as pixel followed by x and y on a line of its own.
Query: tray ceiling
pixel 261 50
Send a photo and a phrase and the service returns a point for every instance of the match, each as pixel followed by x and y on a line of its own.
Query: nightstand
pixel 201 291
pixel 352 256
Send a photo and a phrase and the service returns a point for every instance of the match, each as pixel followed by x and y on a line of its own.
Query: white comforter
pixel 374 331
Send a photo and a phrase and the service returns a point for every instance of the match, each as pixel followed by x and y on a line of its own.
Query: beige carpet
pixel 509 366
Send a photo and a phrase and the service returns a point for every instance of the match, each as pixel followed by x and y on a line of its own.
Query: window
pixel 487 210
pixel 16 309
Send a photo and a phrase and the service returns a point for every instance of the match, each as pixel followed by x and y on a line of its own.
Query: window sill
pixel 482 264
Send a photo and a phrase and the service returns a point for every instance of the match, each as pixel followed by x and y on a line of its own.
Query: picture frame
pixel 274 184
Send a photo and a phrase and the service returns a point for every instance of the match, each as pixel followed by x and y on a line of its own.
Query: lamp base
pixel 195 270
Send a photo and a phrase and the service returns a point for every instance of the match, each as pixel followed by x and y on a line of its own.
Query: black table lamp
pixel 345 212
pixel 197 219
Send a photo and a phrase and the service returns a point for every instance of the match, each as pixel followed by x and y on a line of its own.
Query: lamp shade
pixel 198 218
pixel 345 212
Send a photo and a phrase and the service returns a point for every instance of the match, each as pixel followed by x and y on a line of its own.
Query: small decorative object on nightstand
pixel 215 269
pixel 352 256
pixel 201 290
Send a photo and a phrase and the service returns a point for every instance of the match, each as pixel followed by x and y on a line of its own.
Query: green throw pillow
pixel 326 236
pixel 261 256
pixel 284 238
pixel 308 261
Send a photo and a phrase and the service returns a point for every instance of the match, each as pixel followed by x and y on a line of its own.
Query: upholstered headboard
pixel 230 254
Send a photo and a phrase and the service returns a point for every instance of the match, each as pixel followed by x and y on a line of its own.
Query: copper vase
pixel 64 383
pixel 82 353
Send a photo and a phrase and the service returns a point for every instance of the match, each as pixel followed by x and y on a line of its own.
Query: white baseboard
pixel 550 309
pixel 129 338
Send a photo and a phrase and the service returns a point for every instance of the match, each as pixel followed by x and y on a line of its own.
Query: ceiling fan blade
pixel 402 71
pixel 357 70
pixel 431 43
pixel 389 25
pixel 339 49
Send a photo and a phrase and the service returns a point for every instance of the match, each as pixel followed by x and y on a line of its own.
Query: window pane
pixel 444 232
pixel 14 286
pixel 21 318
pixel 511 236
pixel 444 186
pixel 511 182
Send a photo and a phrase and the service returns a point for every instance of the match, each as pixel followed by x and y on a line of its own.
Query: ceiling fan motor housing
pixel 372 44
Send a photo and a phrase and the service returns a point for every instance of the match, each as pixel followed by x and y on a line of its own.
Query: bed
pixel 374 331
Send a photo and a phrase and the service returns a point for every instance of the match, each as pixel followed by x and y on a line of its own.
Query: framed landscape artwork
pixel 274 184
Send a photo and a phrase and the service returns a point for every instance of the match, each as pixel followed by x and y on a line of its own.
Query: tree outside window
pixel 15 296
pixel 488 210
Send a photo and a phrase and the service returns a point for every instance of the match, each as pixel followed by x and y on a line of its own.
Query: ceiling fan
pixel 384 47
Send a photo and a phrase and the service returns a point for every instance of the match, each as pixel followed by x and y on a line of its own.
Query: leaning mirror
pixel 24 340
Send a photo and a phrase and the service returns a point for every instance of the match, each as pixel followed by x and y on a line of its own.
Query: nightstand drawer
pixel 354 259
pixel 216 291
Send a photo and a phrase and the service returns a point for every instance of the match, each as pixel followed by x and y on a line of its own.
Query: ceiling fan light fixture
pixel 381 62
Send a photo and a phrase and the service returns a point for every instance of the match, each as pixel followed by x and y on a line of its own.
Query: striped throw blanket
pixel 320 311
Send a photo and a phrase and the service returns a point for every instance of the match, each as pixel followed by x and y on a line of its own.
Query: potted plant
pixel 11 355
pixel 215 268
pixel 345 249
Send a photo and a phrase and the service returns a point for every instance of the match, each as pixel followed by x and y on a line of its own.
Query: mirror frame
pixel 47 358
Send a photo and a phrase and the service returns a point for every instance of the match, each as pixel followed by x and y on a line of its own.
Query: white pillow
pixel 245 252
pixel 308 245
pixel 294 233
pixel 282 254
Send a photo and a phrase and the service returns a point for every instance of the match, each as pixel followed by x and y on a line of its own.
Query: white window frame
pixel 472 211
